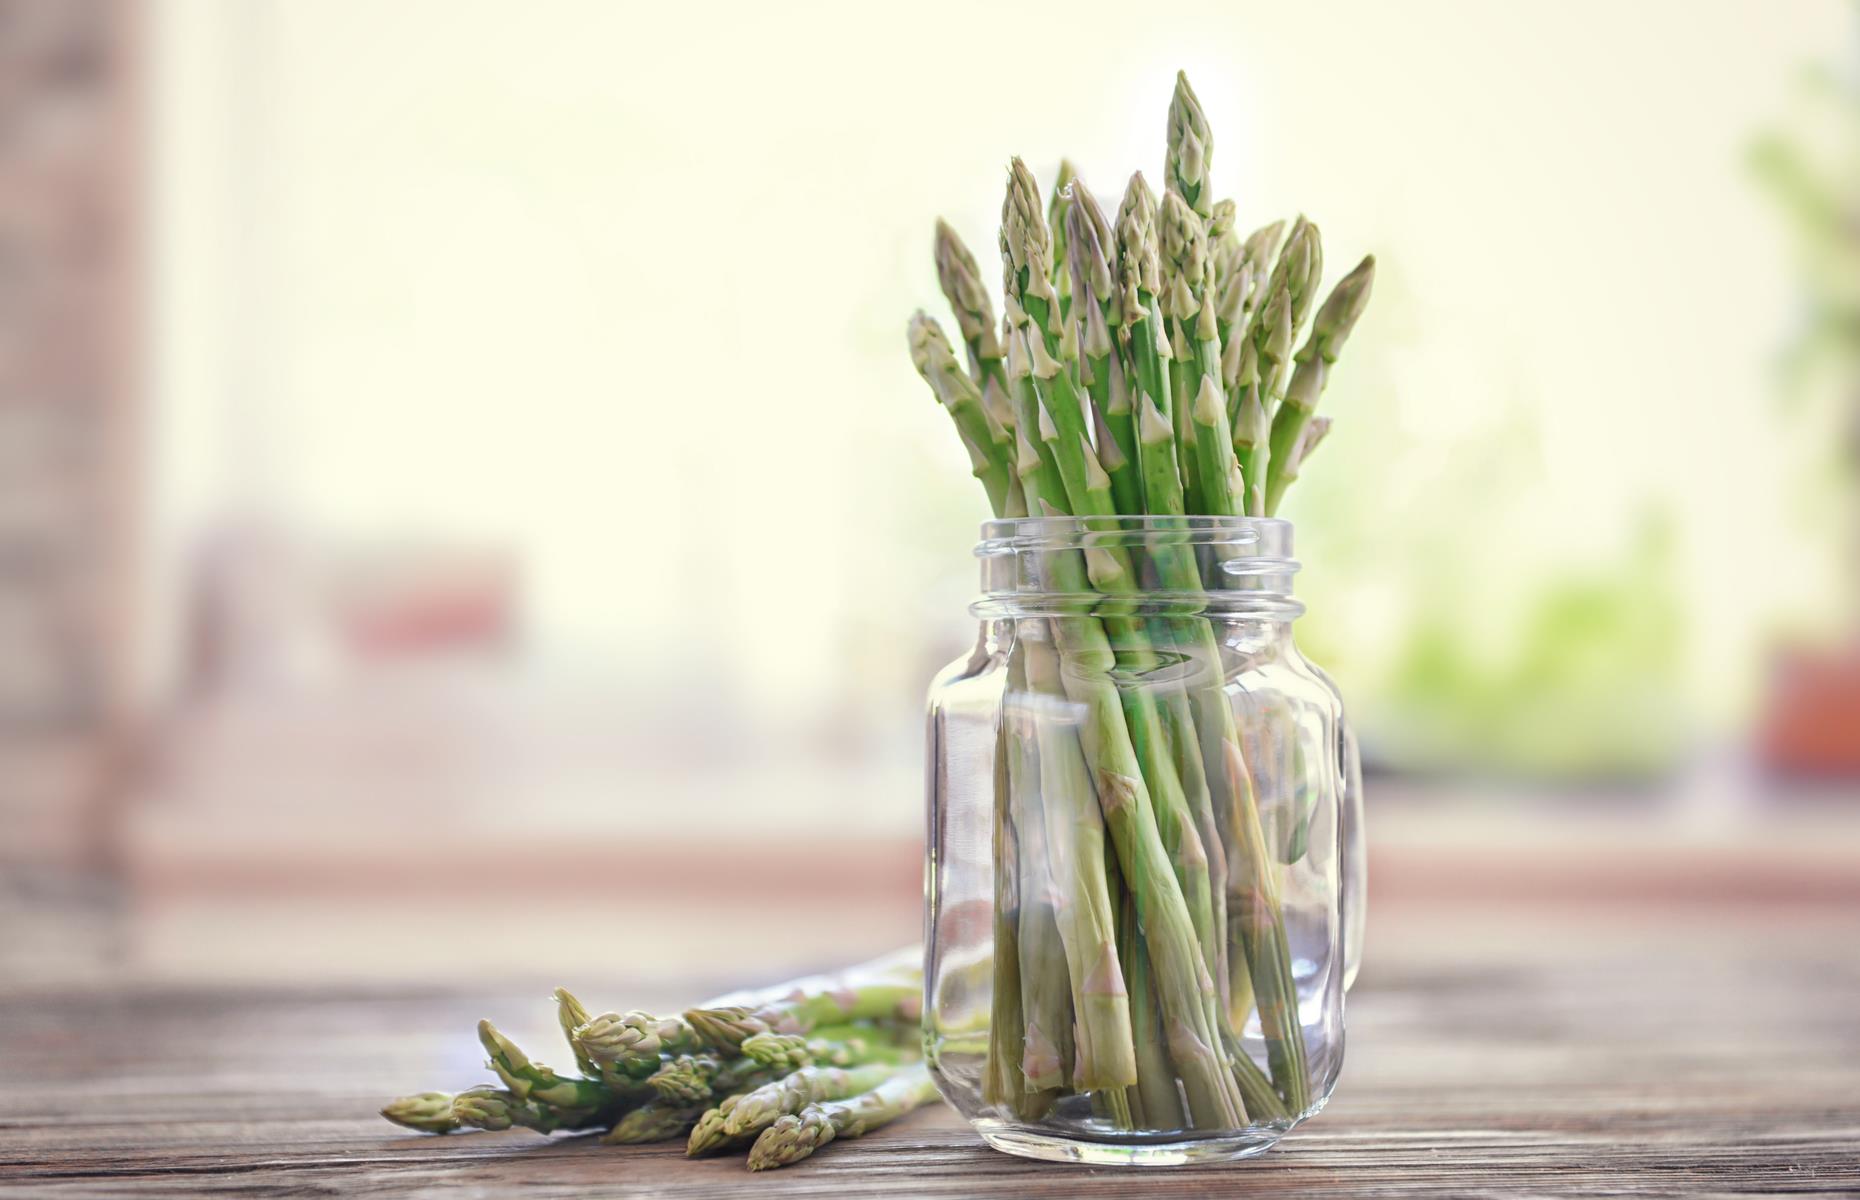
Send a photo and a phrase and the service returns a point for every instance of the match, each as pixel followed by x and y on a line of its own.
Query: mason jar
pixel 1145 872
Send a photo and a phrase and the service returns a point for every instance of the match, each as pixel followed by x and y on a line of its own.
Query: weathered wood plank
pixel 1725 1062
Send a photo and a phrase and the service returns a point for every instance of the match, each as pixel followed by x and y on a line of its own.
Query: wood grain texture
pixel 1691 1059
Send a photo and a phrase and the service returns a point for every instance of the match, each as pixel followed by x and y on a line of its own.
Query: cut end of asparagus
pixel 1191 144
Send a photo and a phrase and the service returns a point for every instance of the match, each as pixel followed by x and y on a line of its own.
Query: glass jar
pixel 1145 871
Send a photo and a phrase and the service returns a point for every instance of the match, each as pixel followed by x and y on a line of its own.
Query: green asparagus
pixel 792 1138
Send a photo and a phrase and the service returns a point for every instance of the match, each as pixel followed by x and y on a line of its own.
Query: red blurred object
pixel 1812 728
pixel 426 604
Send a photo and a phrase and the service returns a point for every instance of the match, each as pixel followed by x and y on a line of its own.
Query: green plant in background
pixel 1584 688
pixel 1814 172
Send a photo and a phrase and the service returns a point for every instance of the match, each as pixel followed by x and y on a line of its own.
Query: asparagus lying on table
pixel 887 989
pixel 792 1138
pixel 1152 373
pixel 646 1078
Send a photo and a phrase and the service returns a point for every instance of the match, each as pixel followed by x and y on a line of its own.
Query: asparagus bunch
pixel 1147 366
pixel 724 1075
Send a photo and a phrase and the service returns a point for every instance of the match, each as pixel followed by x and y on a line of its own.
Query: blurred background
pixel 465 504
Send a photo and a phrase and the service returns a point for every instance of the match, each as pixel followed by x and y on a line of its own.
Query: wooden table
pixel 1592 1053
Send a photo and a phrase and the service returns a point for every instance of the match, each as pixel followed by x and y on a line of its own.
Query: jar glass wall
pixel 1144 873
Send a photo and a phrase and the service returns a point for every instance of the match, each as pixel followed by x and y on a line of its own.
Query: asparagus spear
pixel 988 441
pixel 657 1121
pixel 752 1112
pixel 573 1015
pixel 885 990
pixel 1002 1081
pixel 792 1138
pixel 1056 215
pixel 1146 347
pixel 1274 349
pixel 961 281
pixel 792 1051
pixel 631 1045
pixel 530 1080
pixel 1189 303
pixel 428 1112
pixel 1091 245
pixel 1046 995
pixel 1157 1096
pixel 1314 432
pixel 1087 922
pixel 1191 144
pixel 686 1079
pixel 1329 331
pixel 496 1109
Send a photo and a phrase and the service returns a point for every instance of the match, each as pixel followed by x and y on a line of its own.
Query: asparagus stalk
pixel 1314 432
pixel 1091 245
pixel 989 443
pixel 1057 210
pixel 1155 1091
pixel 1274 348
pixel 495 1109
pixel 1046 995
pixel 1002 1081
pixel 530 1080
pixel 751 1112
pixel 880 991
pixel 1146 346
pixel 1338 316
pixel 961 282
pixel 1105 1059
pixel 1190 305
pixel 792 1138
pixel 572 1015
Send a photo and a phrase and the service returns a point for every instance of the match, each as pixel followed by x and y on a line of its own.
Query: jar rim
pixel 1147 523
pixel 1245 563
